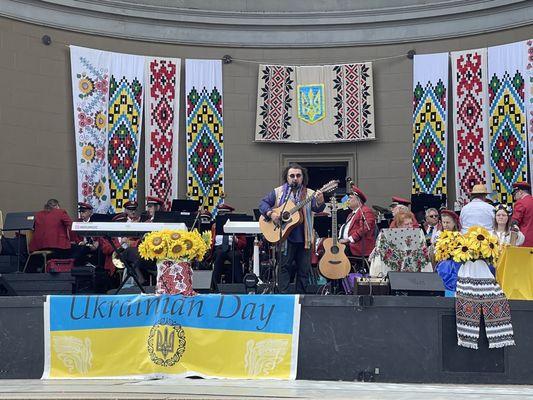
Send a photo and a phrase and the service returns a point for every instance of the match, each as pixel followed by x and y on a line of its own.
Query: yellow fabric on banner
pixel 135 352
pixel 515 273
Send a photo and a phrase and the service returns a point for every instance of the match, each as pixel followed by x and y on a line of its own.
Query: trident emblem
pixel 165 342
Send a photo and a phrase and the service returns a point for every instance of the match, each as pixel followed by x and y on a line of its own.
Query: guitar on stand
pixel 334 264
pixel 291 216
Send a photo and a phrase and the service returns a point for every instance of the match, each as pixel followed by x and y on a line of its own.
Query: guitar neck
pixel 334 227
pixel 301 204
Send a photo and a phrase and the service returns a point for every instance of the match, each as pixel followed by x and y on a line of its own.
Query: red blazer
pixel 107 251
pixel 362 231
pixel 51 230
pixel 523 214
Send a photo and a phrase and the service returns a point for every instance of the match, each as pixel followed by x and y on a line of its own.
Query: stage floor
pixel 245 389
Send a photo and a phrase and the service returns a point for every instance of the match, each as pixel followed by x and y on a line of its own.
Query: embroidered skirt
pixel 479 294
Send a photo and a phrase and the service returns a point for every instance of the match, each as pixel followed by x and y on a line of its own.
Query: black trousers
pixel 220 256
pixel 295 260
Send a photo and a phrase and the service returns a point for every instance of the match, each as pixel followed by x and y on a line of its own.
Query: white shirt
pixel 344 232
pixel 479 213
pixel 505 237
pixel 219 238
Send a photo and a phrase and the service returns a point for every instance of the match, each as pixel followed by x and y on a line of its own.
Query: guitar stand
pixel 130 272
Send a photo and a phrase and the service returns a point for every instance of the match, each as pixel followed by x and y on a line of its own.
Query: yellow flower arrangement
pixel 175 245
pixel 477 243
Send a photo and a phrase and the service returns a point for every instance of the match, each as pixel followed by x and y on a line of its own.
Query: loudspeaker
pixel 38 284
pixel 231 288
pixel 416 284
pixel 5 288
pixel 201 279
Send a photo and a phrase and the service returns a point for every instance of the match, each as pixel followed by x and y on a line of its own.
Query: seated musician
pixel 108 250
pixel 153 205
pixel 400 249
pixel 223 251
pixel 84 249
pixel 399 204
pixel 358 232
pixel 130 210
pixel 51 230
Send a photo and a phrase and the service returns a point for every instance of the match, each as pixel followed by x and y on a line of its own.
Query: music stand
pixel 96 217
pixel 220 221
pixel 185 206
pixel 17 222
pixel 174 217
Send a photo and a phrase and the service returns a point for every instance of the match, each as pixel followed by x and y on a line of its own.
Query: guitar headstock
pixel 330 186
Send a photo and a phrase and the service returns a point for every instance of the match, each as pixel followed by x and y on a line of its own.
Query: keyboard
pixel 118 229
pixel 242 227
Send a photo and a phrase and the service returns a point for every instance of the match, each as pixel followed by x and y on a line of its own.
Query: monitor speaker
pixel 415 284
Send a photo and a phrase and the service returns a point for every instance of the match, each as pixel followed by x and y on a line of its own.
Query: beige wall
pixel 37 154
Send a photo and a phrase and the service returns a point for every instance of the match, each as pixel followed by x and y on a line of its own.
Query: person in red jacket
pixel 51 230
pixel 523 211
pixel 399 204
pixel 358 232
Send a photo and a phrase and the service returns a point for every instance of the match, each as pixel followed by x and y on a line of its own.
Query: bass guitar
pixel 290 216
pixel 334 264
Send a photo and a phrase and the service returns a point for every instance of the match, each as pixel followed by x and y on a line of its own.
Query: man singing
pixel 296 250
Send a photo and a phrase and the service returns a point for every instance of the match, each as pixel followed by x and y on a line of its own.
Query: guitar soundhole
pixel 334 249
pixel 286 216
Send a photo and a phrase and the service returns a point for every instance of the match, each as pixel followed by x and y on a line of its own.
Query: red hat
pixel 452 215
pixel 225 207
pixel 521 186
pixel 358 192
pixel 84 206
pixel 120 217
pixel 150 200
pixel 131 205
pixel 400 200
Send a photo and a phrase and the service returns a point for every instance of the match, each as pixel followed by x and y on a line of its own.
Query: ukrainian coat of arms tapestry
pixel 313 104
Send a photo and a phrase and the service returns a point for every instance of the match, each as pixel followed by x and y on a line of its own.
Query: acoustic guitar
pixel 334 264
pixel 291 216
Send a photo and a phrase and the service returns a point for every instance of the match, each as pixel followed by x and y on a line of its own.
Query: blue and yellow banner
pixel 246 336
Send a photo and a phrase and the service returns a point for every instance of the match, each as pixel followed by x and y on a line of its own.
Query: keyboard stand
pixel 130 272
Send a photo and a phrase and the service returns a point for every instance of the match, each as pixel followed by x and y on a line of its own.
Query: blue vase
pixel 448 270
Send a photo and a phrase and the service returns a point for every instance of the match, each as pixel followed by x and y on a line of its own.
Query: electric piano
pixel 119 229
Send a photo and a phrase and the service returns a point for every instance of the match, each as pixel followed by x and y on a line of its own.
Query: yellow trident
pixel 311 104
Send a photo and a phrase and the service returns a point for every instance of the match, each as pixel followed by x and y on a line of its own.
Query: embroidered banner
pixel 205 139
pixel 332 103
pixel 507 119
pixel 470 133
pixel 124 127
pixel 430 90
pixel 132 336
pixel 90 84
pixel 529 100
pixel 162 124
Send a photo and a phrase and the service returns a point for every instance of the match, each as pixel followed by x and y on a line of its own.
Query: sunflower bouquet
pixel 175 245
pixel 478 243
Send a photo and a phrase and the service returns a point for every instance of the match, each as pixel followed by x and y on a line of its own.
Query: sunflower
pixel 463 252
pixel 176 249
pixel 100 120
pixel 490 249
pixel 86 86
pixel 87 152
pixel 476 236
pixel 99 189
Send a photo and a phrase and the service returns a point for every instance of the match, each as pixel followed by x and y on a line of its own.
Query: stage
pixel 384 339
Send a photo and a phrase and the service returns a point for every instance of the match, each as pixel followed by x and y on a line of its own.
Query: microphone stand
pixel 277 267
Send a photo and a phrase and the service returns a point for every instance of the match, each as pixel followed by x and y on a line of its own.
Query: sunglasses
pixel 295 176
pixel 433 216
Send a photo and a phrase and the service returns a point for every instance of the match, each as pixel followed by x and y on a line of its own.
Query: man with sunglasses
pixel 523 211
pixel 432 224
pixel 296 250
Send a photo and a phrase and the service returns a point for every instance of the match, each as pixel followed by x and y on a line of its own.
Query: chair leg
pixel 45 263
pixel 26 264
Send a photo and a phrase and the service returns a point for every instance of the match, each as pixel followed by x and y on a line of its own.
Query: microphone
pixel 349 179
